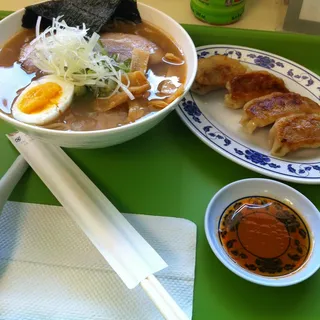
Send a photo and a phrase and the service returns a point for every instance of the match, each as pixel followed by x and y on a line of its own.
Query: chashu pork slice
pixel 124 44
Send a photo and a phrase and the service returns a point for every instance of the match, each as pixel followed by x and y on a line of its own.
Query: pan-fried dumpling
pixel 202 89
pixel 214 73
pixel 252 85
pixel 295 132
pixel 266 110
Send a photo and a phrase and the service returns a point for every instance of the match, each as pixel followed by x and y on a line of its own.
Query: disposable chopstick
pixel 11 178
pixel 162 299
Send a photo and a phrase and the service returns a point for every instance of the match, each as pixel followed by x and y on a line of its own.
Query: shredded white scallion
pixel 38 26
pixel 70 53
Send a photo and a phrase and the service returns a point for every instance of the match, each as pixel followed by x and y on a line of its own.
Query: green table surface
pixel 170 172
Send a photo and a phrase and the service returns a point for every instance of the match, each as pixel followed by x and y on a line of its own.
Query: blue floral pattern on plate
pixel 192 109
pixel 203 54
pixel 216 135
pixel 236 150
pixel 231 53
pixel 306 78
pixel 257 158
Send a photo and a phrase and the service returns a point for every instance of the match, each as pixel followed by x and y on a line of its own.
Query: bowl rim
pixel 238 270
pixel 40 130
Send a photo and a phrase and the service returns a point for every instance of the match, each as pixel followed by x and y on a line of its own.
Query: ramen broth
pixel 83 115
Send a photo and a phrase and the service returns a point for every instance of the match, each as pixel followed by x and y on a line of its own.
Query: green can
pixel 218 11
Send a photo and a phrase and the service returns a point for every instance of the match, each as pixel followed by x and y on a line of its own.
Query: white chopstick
pixel 161 298
pixel 11 178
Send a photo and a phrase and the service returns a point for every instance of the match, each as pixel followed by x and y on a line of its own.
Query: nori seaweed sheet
pixel 94 13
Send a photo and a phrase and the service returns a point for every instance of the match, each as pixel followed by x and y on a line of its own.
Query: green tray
pixel 168 171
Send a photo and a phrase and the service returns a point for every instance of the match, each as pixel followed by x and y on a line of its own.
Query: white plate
pixel 218 126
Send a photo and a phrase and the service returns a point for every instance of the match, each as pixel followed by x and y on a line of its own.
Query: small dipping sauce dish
pixel 264 231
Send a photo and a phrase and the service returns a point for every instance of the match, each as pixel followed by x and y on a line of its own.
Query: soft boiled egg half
pixel 44 100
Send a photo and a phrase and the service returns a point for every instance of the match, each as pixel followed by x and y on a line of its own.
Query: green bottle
pixel 218 11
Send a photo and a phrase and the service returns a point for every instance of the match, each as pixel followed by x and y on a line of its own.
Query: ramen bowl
pixel 108 137
pixel 235 259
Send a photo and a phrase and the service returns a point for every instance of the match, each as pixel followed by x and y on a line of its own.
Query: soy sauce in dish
pixel 264 236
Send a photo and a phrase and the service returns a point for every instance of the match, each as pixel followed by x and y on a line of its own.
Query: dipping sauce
pixel 264 236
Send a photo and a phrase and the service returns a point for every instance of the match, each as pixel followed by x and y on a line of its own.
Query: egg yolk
pixel 40 98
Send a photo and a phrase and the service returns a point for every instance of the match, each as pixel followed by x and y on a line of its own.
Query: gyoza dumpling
pixel 294 132
pixel 266 110
pixel 202 89
pixel 214 73
pixel 252 85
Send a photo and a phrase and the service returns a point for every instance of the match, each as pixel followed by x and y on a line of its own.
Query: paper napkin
pixel 50 270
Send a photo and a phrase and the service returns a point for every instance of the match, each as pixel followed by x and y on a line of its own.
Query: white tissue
pixel 49 270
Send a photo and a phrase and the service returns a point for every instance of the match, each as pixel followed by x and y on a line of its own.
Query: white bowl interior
pixel 171 28
pixel 100 138
pixel 277 191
